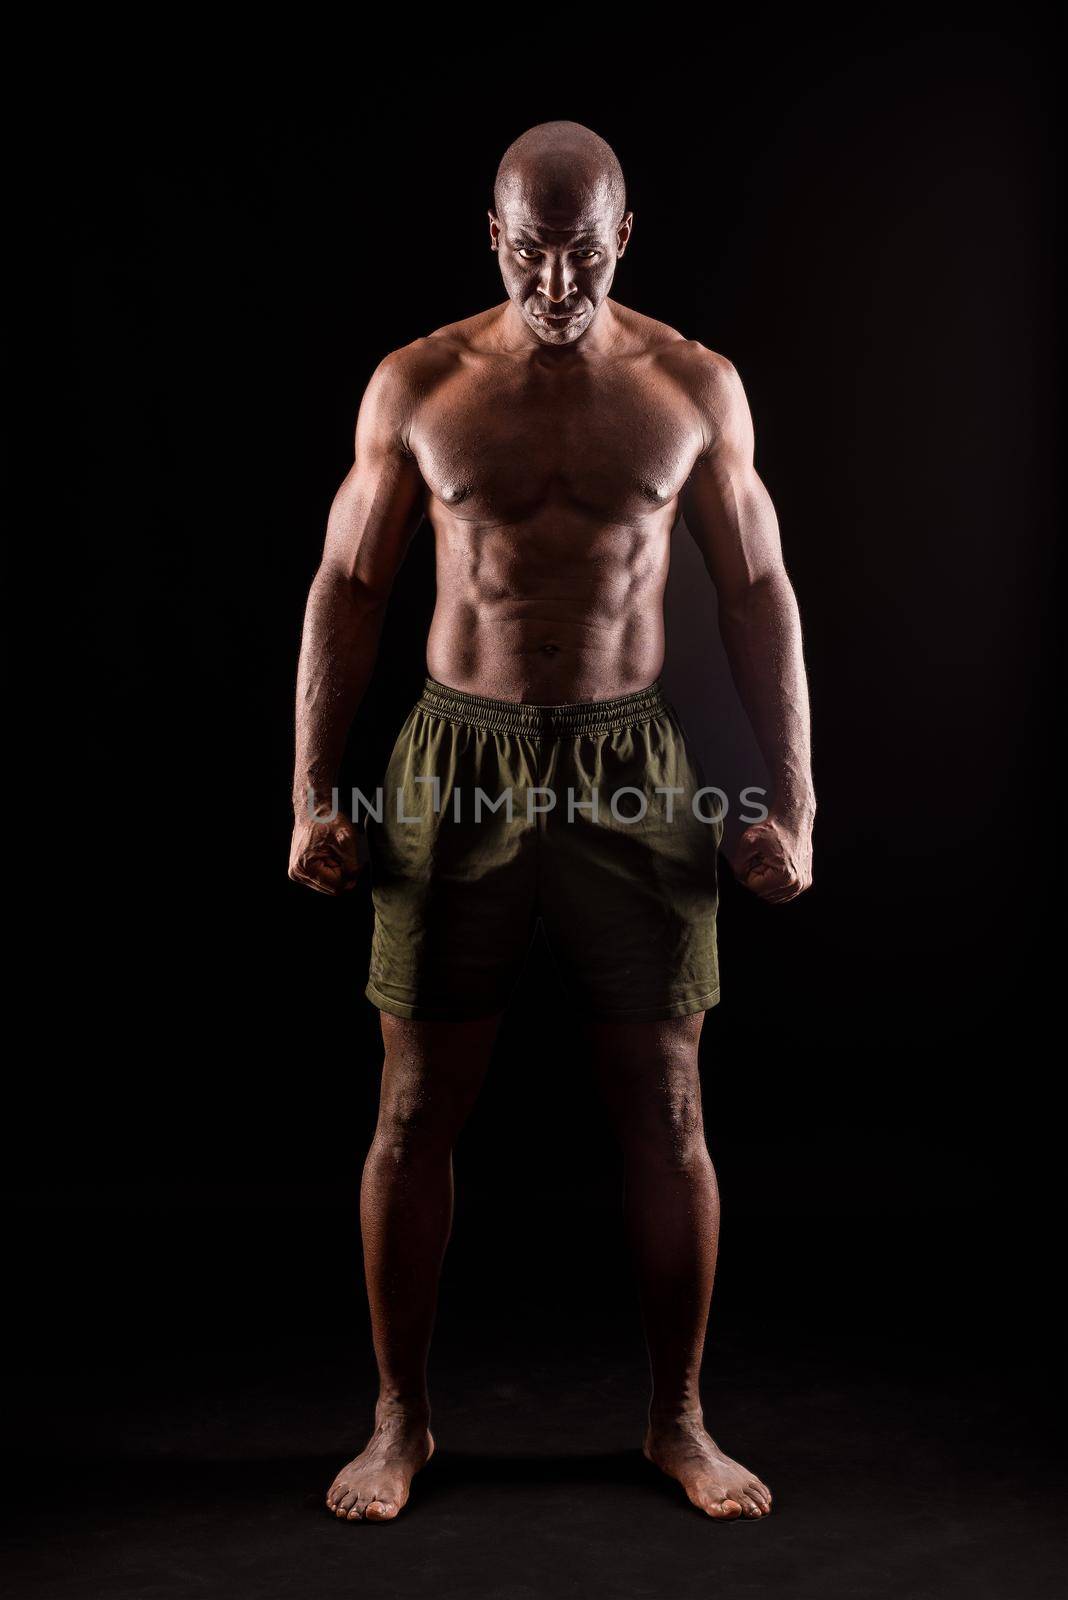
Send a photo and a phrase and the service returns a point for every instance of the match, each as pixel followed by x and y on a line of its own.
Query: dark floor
pixel 175 1485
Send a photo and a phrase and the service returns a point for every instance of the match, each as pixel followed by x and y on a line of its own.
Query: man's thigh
pixel 452 880
pixel 629 875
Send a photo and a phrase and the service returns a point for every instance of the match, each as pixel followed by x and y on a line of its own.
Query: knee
pixel 411 1124
pixel 668 1130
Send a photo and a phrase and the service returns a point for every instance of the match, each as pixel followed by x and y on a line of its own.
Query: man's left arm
pixel 730 516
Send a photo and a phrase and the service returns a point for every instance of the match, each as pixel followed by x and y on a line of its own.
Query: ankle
pixel 679 1414
pixel 409 1409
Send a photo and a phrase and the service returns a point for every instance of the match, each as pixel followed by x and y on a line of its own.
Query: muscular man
pixel 552 442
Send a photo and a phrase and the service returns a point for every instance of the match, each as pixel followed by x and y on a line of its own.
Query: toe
pixel 724 1510
pixel 380 1511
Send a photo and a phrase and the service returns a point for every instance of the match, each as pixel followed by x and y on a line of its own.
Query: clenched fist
pixel 773 858
pixel 323 854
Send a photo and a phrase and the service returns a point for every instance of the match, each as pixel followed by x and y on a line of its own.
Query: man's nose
pixel 556 281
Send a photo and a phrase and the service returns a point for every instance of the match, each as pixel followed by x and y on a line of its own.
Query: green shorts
pixel 495 814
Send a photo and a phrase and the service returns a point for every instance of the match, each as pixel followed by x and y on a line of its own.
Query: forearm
pixel 761 632
pixel 342 628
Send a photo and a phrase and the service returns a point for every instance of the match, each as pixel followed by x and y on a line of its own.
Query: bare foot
pixel 375 1486
pixel 716 1484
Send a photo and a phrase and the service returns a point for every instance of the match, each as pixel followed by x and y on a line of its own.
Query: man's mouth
pixel 557 319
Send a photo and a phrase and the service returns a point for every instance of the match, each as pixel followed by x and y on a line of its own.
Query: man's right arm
pixel 373 517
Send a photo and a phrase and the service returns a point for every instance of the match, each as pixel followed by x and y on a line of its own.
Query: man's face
pixel 557 263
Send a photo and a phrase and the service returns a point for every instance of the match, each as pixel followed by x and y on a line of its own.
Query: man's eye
pixel 527 254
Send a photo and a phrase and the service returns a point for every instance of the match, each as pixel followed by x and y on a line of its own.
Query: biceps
pixel 730 516
pixel 373 517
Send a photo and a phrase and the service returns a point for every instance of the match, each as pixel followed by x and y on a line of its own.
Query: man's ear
pixel 495 229
pixel 623 232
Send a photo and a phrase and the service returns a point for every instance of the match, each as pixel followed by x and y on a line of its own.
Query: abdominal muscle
pixel 546 618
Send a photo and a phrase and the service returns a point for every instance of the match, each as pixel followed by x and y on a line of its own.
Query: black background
pixel 863 223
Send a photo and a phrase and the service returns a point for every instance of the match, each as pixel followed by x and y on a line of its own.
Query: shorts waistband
pixel 516 716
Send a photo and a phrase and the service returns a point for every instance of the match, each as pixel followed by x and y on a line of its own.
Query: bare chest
pixel 497 445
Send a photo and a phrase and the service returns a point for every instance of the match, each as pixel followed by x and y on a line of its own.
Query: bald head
pixel 561 168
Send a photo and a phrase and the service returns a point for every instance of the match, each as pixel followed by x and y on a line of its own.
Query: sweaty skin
pixel 552 459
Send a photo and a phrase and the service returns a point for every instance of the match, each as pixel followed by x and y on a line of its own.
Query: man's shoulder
pixel 408 367
pixel 661 339
pixel 412 368
pixel 404 377
pixel 709 376
pixel 710 382
pixel 710 379
pixel 446 346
